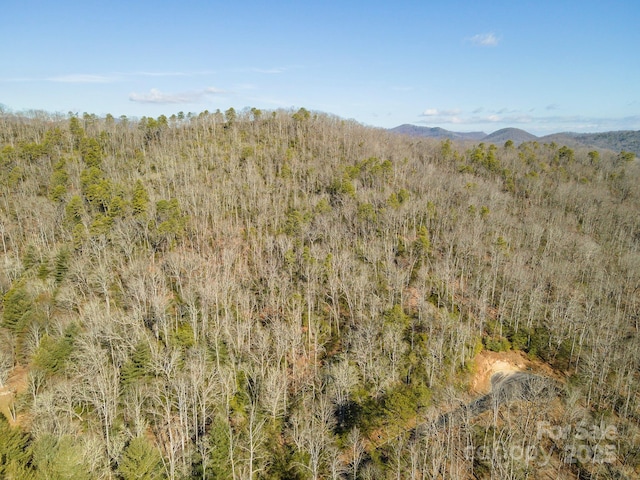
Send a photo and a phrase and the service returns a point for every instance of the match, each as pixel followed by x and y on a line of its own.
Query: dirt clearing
pixel 488 363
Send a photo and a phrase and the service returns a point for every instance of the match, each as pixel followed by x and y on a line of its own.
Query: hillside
pixel 436 132
pixel 616 141
pixel 287 294
pixel 514 134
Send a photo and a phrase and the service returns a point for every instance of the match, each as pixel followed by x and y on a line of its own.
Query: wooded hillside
pixel 291 295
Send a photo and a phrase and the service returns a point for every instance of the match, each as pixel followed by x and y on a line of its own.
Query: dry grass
pixel 16 384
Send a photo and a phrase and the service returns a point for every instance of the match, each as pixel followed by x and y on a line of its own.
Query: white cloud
pixel 434 112
pixel 485 40
pixel 156 96
pixel 84 78
pixel 245 86
pixel 116 76
pixel 213 91
pixel 268 70
pixel 170 74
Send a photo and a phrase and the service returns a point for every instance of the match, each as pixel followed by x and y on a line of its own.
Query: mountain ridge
pixel 617 140
pixel 435 132
pixel 516 135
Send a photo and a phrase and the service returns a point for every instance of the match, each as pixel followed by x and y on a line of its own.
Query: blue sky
pixel 543 66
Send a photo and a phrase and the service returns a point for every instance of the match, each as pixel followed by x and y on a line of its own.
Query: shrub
pixel 497 344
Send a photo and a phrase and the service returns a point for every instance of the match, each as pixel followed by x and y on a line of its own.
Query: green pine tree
pixel 140 461
pixel 18 308
pixel 14 452
pixel 140 201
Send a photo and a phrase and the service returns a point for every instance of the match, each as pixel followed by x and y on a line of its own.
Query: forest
pixel 290 295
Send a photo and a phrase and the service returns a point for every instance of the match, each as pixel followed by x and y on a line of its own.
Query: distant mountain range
pixel 436 132
pixel 627 140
